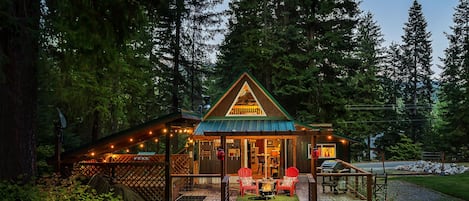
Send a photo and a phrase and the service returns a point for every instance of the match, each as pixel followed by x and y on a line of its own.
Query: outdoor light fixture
pixel 131 139
pixel 150 132
pixel 141 145
pixel 112 146
pixel 165 130
pixel 329 137
pixel 156 140
pixel 92 153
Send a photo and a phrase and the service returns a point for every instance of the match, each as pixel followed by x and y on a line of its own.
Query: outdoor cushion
pixel 247 181
pixel 287 181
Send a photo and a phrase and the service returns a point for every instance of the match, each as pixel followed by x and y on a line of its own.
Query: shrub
pixel 405 149
pixel 52 188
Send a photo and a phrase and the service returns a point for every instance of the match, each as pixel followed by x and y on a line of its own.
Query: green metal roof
pixel 244 125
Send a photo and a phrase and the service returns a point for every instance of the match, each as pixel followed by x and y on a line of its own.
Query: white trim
pixel 241 92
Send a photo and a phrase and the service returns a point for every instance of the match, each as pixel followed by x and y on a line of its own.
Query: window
pixel 325 151
pixel 246 104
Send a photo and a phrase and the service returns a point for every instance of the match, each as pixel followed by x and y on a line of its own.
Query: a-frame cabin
pixel 259 134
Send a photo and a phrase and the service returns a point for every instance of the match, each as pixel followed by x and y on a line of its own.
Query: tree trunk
pixel 18 89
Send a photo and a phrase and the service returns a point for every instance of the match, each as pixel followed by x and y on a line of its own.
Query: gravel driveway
pixel 405 191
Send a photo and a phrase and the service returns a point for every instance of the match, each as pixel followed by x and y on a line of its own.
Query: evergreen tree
pixel 94 67
pixel 390 81
pixel 18 88
pixel 417 84
pixel 454 82
pixel 297 50
pixel 182 38
pixel 365 104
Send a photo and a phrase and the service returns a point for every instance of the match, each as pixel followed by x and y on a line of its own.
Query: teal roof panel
pixel 244 125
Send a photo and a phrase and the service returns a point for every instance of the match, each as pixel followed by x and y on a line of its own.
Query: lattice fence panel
pixel 145 177
pixel 180 164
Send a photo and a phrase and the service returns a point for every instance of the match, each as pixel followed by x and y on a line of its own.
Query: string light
pixel 150 132
pixel 112 146
pixel 131 139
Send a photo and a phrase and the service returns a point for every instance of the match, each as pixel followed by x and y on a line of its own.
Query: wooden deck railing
pixel 358 181
pixel 312 188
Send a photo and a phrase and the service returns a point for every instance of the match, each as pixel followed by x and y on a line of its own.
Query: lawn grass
pixel 454 185
pixel 277 198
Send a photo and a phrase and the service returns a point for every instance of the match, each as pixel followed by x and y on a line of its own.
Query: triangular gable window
pixel 246 104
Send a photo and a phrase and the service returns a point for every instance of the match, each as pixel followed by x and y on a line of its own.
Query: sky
pixel 392 14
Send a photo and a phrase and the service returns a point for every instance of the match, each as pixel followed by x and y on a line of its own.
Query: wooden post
pixel 58 146
pixel 223 162
pixel 167 164
pixel 369 180
pixel 442 163
pixel 294 151
pixel 313 158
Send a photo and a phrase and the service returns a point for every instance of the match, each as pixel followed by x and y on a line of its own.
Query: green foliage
pixel 417 87
pixel 266 40
pixel 454 122
pixel 44 152
pixel 51 189
pixel 12 191
pixel 405 149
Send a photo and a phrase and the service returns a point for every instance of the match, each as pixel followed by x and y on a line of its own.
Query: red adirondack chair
pixel 289 181
pixel 246 182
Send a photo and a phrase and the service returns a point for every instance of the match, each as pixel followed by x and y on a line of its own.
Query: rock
pixel 433 168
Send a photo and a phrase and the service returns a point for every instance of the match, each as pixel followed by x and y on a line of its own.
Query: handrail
pixel 195 175
pixel 358 173
pixel 312 186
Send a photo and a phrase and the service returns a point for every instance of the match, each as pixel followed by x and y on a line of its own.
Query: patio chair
pixel 289 181
pixel 246 182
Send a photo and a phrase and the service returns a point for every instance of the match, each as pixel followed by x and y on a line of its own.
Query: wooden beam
pixel 167 165
pixel 262 133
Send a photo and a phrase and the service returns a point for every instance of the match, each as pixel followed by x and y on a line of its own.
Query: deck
pixel 213 193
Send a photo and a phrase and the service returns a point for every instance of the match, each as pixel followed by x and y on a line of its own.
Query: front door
pixel 264 157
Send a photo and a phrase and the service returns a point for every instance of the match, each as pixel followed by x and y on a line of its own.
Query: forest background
pixel 111 65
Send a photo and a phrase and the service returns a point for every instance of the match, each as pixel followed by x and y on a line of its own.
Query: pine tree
pixel 94 66
pixel 365 106
pixel 417 84
pixel 391 82
pixel 454 81
pixel 298 50
pixel 182 37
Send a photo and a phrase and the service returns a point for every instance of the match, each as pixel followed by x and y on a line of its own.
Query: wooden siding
pixel 223 106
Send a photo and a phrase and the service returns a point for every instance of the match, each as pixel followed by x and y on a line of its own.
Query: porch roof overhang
pixel 244 126
pixel 138 134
